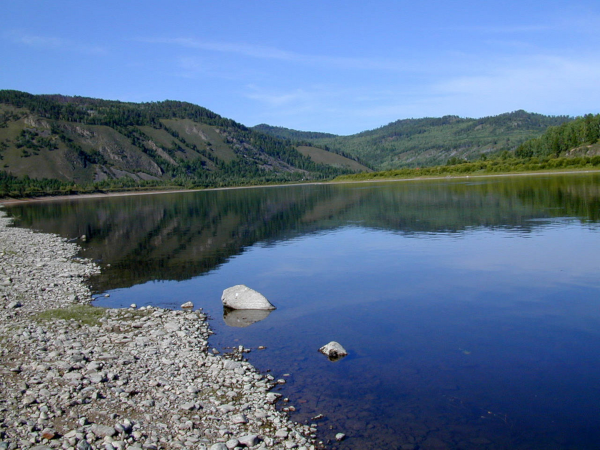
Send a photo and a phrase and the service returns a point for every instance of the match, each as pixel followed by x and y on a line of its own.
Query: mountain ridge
pixel 430 141
pixel 107 144
pixel 88 140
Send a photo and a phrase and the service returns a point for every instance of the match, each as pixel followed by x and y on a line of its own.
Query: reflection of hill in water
pixel 179 236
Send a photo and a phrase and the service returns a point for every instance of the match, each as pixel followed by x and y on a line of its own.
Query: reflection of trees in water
pixel 179 236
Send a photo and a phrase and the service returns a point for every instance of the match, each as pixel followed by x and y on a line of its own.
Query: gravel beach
pixel 73 376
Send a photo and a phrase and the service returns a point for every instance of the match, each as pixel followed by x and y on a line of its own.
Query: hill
pixel 431 141
pixel 83 140
pixel 321 156
pixel 573 145
pixel 293 135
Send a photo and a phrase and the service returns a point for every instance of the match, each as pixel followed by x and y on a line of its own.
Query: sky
pixel 332 66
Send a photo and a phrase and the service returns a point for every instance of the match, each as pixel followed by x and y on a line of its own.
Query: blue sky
pixel 332 66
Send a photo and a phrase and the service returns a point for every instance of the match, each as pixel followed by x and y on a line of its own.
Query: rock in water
pixel 242 297
pixel 187 305
pixel 333 351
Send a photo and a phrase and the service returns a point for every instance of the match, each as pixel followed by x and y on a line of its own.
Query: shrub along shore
pixel 80 377
pixel 484 167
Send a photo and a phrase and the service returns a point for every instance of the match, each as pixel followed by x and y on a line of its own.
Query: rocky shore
pixel 78 377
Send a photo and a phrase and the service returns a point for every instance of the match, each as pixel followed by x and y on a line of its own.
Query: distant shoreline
pixel 13 201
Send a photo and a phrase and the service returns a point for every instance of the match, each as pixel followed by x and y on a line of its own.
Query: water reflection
pixel 180 236
pixel 241 318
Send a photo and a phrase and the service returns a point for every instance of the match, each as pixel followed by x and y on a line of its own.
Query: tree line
pixel 558 140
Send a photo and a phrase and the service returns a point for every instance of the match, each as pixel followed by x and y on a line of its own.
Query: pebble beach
pixel 73 376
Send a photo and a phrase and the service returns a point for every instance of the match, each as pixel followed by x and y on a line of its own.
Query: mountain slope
pixel 321 156
pixel 86 140
pixel 431 141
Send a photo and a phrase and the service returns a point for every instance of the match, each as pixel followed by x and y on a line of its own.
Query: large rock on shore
pixel 242 297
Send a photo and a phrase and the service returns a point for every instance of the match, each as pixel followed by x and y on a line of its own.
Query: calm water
pixel 471 309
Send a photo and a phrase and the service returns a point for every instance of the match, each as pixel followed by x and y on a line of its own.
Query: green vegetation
pixel 52 144
pixel 432 141
pixel 572 145
pixel 496 166
pixel 321 156
pixel 292 135
pixel 57 145
pixel 86 314
pixel 579 136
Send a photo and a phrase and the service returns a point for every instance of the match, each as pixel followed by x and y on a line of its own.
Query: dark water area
pixel 470 309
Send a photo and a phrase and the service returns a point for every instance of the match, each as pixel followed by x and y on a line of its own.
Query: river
pixel 470 308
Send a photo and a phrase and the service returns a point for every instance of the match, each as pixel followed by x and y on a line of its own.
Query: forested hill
pixel 432 141
pixel 294 135
pixel 85 140
pixel 580 137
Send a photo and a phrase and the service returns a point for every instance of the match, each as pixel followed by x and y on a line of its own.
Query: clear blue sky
pixel 333 66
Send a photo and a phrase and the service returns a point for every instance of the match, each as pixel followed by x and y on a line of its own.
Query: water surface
pixel 470 308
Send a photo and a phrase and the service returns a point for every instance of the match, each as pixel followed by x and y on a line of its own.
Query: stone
pixel 73 376
pixel 340 437
pixel 96 377
pixel 239 418
pixel 242 297
pixel 189 406
pixel 103 430
pixel 172 326
pixel 187 305
pixel 272 397
pixel 249 440
pixel 28 400
pixel 282 433
pixel 93 366
pixel 48 434
pixel 219 446
pixel 334 351
pixel 232 443
pixel 83 445
pixel 226 408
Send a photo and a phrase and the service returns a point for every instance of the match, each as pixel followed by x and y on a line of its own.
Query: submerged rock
pixel 242 297
pixel 241 318
pixel 334 351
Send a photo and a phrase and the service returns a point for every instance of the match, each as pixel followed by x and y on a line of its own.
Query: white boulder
pixel 333 351
pixel 242 297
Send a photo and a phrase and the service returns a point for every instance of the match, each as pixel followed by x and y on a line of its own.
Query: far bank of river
pixel 11 201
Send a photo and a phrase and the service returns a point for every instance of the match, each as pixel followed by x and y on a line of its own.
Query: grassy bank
pixel 492 167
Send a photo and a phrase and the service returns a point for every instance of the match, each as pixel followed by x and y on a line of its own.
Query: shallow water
pixel 470 309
